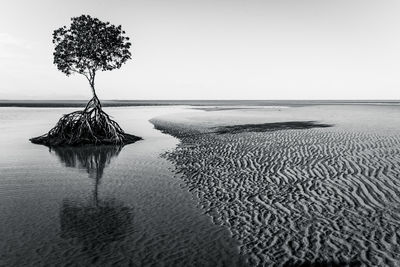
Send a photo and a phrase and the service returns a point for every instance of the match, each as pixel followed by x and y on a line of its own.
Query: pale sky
pixel 212 49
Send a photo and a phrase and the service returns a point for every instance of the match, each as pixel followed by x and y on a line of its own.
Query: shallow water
pixel 100 206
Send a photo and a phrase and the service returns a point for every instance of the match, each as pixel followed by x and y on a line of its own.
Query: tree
pixel 86 47
pixel 90 45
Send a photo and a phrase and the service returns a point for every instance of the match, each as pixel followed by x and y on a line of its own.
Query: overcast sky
pixel 212 49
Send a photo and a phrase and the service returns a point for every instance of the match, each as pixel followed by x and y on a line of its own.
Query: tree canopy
pixel 89 45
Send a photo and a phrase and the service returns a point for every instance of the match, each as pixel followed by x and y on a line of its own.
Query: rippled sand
pixel 324 195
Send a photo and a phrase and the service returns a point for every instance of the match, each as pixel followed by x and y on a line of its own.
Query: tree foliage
pixel 90 45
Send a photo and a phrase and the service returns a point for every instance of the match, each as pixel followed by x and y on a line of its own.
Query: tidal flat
pixel 211 185
pixel 302 186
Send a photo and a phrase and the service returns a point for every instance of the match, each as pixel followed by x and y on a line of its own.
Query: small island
pixel 86 47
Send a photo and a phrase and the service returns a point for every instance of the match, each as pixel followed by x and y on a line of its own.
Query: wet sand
pixel 297 195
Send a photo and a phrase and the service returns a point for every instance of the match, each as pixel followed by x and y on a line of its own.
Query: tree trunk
pixel 94 102
pixel 91 81
pixel 94 92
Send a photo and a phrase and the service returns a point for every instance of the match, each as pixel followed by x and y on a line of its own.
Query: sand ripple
pixel 299 196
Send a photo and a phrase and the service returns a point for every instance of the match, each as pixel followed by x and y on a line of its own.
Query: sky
pixel 212 49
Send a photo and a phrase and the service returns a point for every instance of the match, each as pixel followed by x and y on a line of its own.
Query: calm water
pixel 99 206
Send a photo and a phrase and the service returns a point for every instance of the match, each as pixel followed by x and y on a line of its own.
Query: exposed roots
pixel 90 126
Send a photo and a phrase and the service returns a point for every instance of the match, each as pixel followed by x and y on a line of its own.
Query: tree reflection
pixel 93 159
pixel 95 222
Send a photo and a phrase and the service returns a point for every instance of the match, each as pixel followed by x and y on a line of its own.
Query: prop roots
pixel 90 126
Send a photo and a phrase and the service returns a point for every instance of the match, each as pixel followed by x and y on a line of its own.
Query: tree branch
pixel 84 74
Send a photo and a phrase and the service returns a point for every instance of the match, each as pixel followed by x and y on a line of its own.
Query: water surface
pixel 99 206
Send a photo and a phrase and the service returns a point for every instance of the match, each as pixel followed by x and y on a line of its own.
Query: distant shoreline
pixel 125 103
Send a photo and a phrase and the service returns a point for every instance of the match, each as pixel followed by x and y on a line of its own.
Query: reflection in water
pixel 96 222
pixel 93 159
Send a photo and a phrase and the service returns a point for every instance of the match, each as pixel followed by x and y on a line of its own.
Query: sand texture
pixel 328 194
